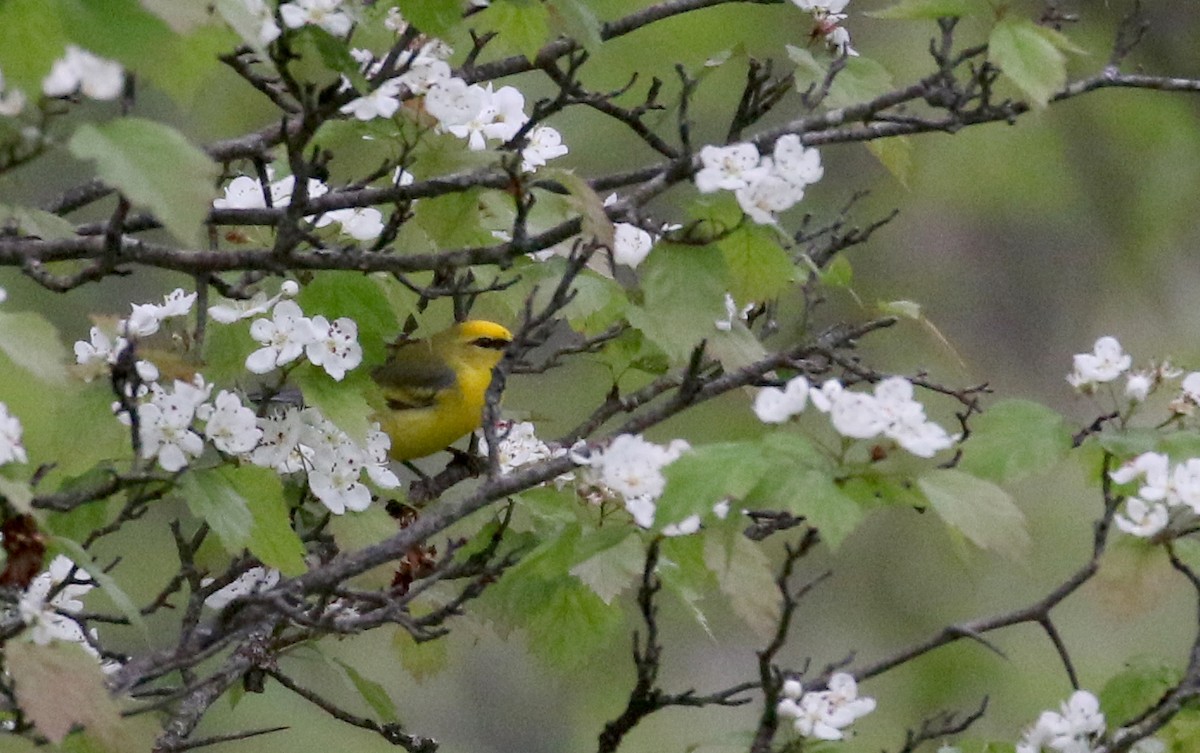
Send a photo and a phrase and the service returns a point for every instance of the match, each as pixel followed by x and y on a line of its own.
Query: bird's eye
pixel 494 343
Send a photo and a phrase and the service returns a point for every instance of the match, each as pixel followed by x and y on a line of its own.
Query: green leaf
pixel 598 303
pixel 745 577
pixel 333 52
pixel 838 273
pixel 800 481
pixel 212 497
pixel 31 39
pixel 714 215
pixel 1180 445
pixel 759 269
pixel 924 9
pixel 1028 58
pixel 1182 733
pixel 344 403
pixel 452 221
pixel 247 25
pixel 980 510
pixel 523 25
pixel 613 568
pixel 571 623
pixel 1126 443
pixel 272 539
pixel 1015 439
pixel 354 532
pixel 181 15
pixel 860 81
pixel 705 475
pixel 684 290
pixel 808 70
pixel 736 347
pixel 586 201
pixel 114 592
pixel 154 166
pixel 421 659
pixel 1136 688
pixel 895 154
pixel 189 65
pixel 436 18
pixel 577 20
pixel 18 494
pixel 118 29
pixel 373 693
pixel 34 222
pixel 33 344
pixel 60 685
pixel 902 309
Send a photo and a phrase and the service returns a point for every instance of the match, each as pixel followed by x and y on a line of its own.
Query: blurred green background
pixel 1022 243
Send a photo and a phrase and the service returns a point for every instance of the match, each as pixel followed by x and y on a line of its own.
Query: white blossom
pixel 47 619
pixel 284 337
pixel 11 448
pixel 453 102
pixel 631 244
pixel 382 102
pixel 334 346
pixel 824 714
pixel 1142 519
pixel 542 145
pixel 324 13
pixel 279 446
pixel 165 426
pixel 80 70
pixel 773 405
pixel 1106 362
pixel 268 30
pixel 232 427
pixel 727 167
pixel 1073 729
pixel 631 468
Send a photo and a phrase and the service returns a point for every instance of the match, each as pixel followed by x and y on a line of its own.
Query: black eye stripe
pixel 495 343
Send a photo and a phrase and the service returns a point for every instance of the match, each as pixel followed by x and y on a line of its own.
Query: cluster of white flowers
pixel 80 70
pixel 891 411
pixel 1073 730
pixel 478 114
pixel 175 420
pixel 303 440
pixel 48 616
pixel 254 580
pixel 630 469
pixel 1108 362
pixel 827 19
pixel 1076 728
pixel 1165 487
pixel 519 446
pixel 288 334
pixel 11 449
pixel 824 714
pixel 245 192
pixel 763 185
pixel 105 344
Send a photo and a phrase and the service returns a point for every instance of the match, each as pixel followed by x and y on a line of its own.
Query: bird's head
pixel 477 341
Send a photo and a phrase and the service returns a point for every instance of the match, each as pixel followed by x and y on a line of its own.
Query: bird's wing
pixel 413 377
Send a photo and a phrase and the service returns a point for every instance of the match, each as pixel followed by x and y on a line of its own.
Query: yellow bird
pixel 436 388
